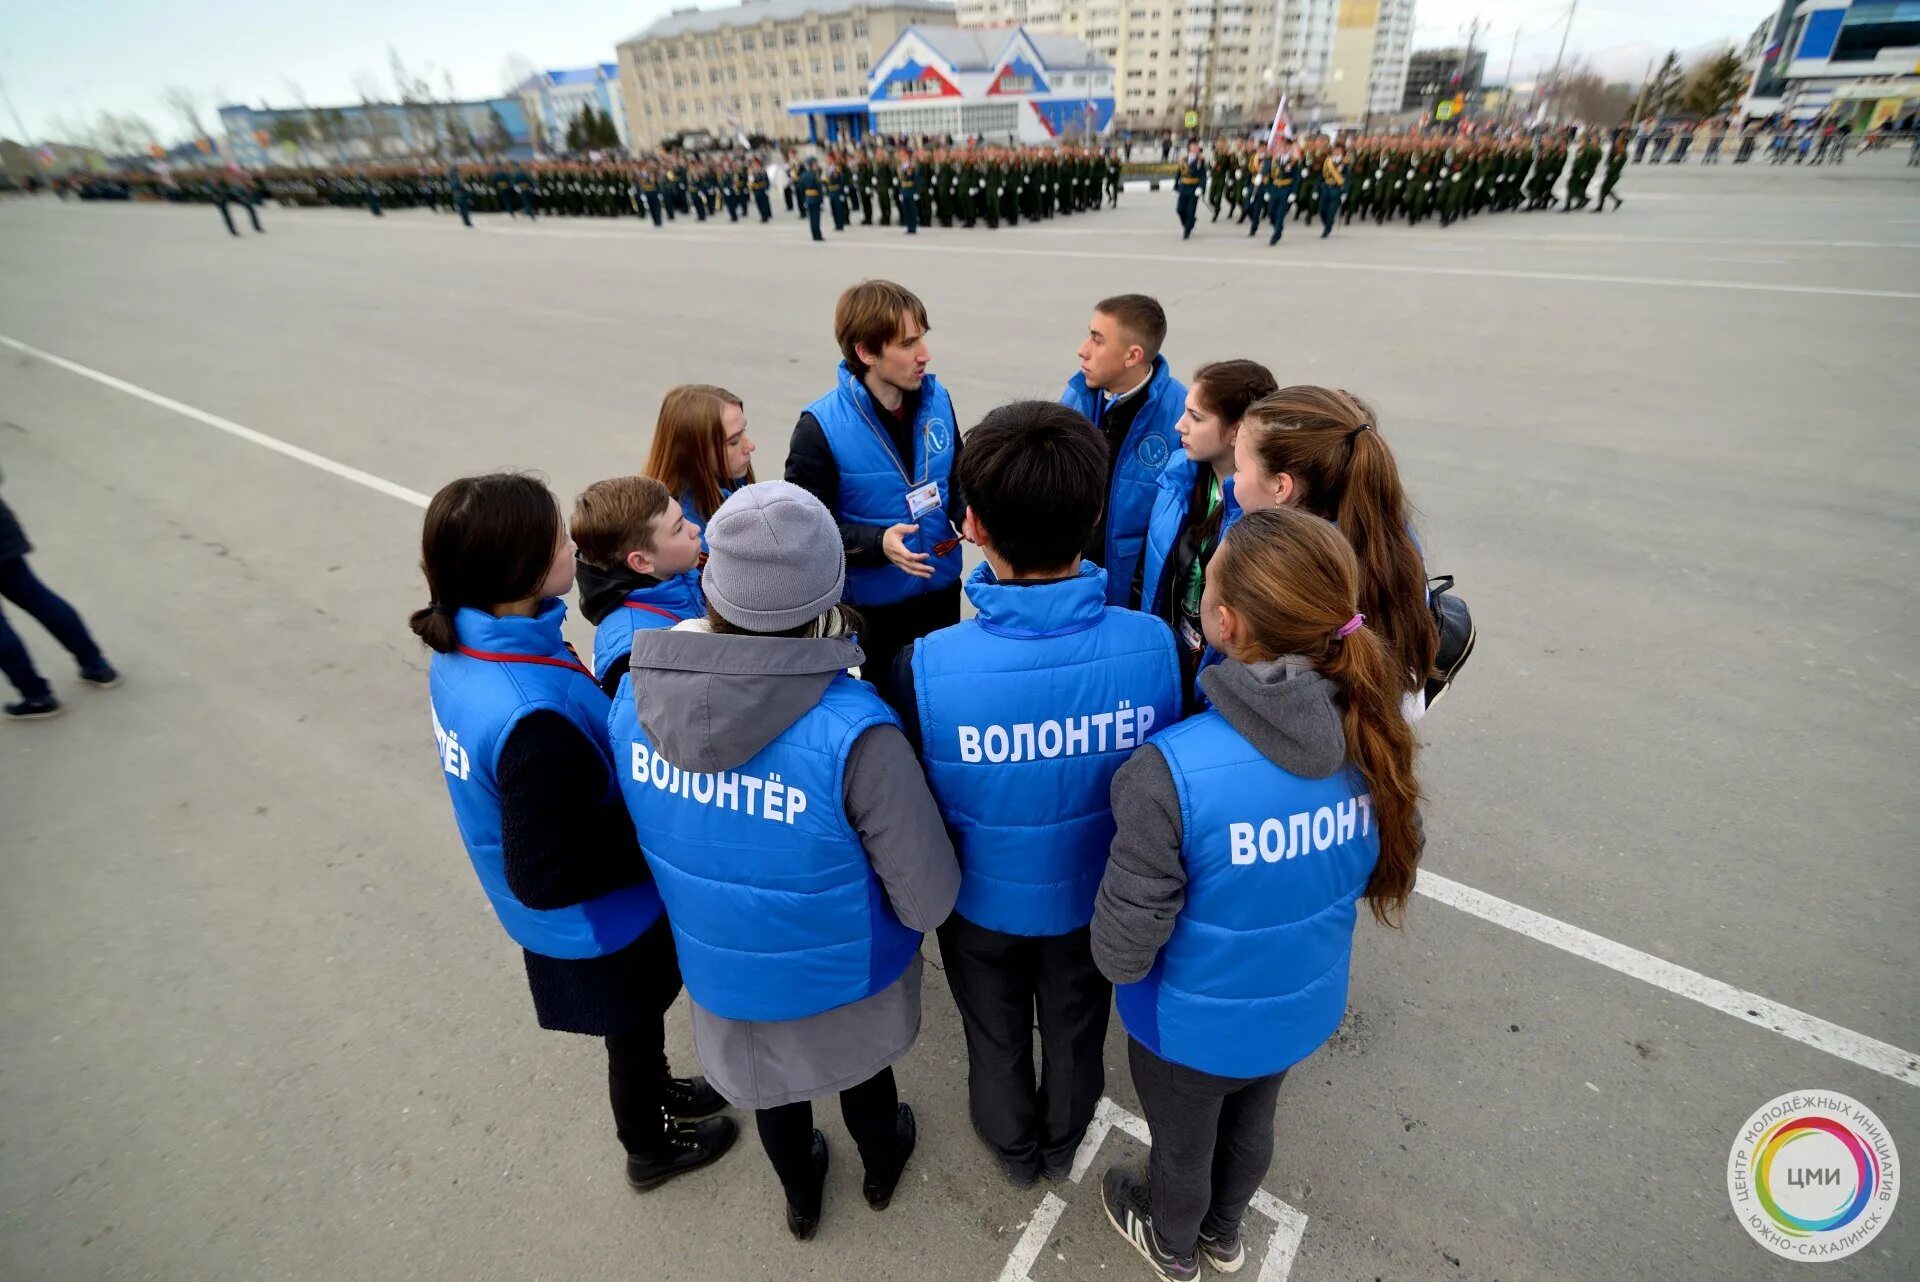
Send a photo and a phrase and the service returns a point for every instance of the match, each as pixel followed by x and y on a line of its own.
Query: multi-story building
pixel 553 99
pixel 1226 63
pixel 1854 61
pixel 735 70
pixel 375 131
pixel 1433 74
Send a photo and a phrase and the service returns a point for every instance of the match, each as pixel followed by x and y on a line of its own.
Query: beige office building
pixel 722 71
pixel 1230 60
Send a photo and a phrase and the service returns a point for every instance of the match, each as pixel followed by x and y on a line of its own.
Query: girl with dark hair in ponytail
pixel 1247 835
pixel 1320 449
pixel 1195 504
pixel 521 731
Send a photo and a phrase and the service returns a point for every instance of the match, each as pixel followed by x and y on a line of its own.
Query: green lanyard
pixel 1197 573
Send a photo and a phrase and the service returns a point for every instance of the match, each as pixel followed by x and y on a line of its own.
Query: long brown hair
pixel 1328 441
pixel 1294 582
pixel 689 451
pixel 487 540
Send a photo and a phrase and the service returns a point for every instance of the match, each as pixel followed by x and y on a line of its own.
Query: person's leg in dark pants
pixel 1242 1152
pixel 1182 1107
pixel 885 630
pixel 637 1084
pixel 871 1111
pixel 18 585
pixel 786 1133
pixel 18 665
pixel 1073 999
pixel 992 978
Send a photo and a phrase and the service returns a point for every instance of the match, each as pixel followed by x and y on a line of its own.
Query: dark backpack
pixel 1454 623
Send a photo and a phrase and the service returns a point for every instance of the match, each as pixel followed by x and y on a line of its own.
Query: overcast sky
pixel 70 59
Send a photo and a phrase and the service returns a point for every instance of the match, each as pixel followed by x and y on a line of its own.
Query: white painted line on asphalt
pixel 1577 278
pixel 278 446
pixel 1809 1030
pixel 1290 1223
pixel 1284 264
pixel 1033 1241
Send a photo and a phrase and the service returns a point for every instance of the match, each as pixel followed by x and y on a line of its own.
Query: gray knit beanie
pixel 774 559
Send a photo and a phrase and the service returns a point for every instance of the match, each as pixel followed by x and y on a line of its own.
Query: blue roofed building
pixel 1002 84
pixel 553 99
pixel 1856 62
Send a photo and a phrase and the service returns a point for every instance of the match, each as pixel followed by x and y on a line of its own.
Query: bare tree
pixel 185 106
pixel 1658 95
pixel 516 71
pixel 1579 93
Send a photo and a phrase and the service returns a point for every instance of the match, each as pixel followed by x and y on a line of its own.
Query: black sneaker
pixel 102 677
pixel 1131 1211
pixel 691 1098
pixel 687 1146
pixel 878 1187
pixel 37 709
pixel 804 1218
pixel 1225 1253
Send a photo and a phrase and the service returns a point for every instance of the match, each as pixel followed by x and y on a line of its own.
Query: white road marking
pixel 1808 1030
pixel 1259 260
pixel 1290 1223
pixel 298 453
pixel 1033 1241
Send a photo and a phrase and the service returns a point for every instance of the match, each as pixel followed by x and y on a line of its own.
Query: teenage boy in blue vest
pixel 1021 715
pixel 637 567
pixel 879 451
pixel 1126 388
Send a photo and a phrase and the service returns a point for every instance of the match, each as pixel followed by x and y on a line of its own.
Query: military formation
pixel 1390 178
pixel 963 185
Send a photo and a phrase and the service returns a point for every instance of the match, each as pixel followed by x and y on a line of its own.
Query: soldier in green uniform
pixel 1217 185
pixel 885 179
pixel 1010 182
pixel 1616 165
pixel 1113 178
pixel 863 182
pixel 1585 164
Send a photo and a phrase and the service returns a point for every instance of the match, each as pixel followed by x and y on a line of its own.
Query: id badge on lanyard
pixel 922 499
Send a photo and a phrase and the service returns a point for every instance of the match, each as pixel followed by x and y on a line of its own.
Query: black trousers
pixel 870 1111
pixel 885 630
pixel 1004 984
pixel 637 1070
pixel 1212 1145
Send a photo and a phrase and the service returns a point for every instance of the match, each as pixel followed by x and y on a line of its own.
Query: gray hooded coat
pixel 711 701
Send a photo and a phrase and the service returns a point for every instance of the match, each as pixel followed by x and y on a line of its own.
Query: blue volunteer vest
pixel 775 907
pixel 660 606
pixel 1152 438
pixel 1173 495
pixel 1254 977
pixel 1033 831
pixel 692 510
pixel 874 483
pixel 476 702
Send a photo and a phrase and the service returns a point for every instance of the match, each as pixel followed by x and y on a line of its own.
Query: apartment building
pixel 735 70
